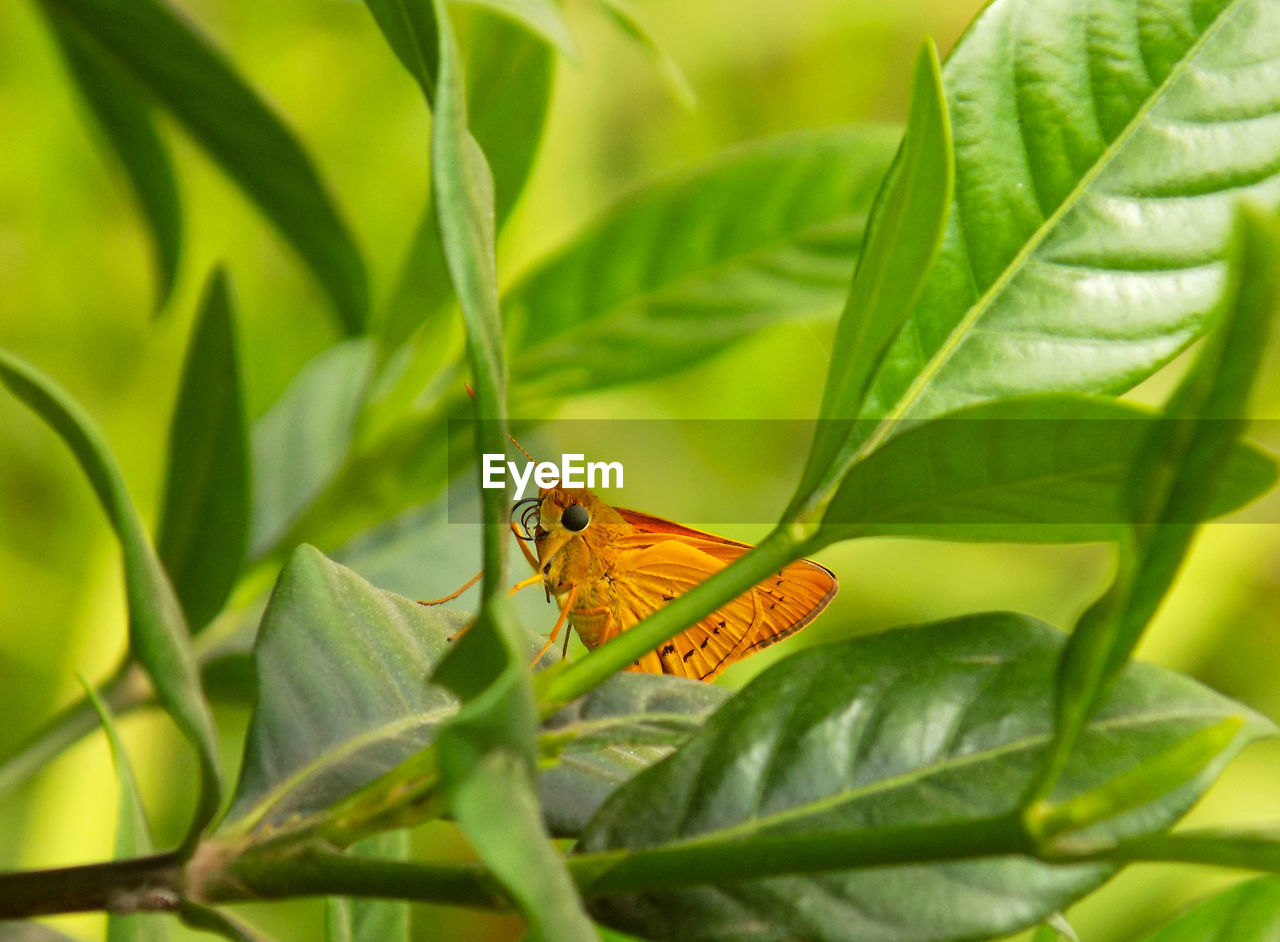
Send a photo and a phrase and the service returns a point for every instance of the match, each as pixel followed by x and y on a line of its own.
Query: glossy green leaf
pixel 1051 468
pixel 302 441
pixel 126 122
pixel 204 522
pixel 926 726
pixel 688 266
pixel 668 69
pixel 1247 912
pixel 1100 146
pixel 161 52
pixel 158 635
pixel 1171 483
pixel 346 695
pixel 902 240
pixel 605 738
pixel 133 834
pixel 371 920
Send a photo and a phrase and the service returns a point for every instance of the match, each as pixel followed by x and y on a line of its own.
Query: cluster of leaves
pixel 1060 220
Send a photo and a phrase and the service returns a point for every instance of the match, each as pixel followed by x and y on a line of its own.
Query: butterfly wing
pixel 660 560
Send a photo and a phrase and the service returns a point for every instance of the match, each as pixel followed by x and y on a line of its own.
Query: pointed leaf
pixel 1100 146
pixel 348 696
pixel 126 121
pixel 205 520
pixel 540 17
pixel 902 240
pixel 667 68
pixel 158 635
pixel 927 727
pixel 179 68
pixel 133 834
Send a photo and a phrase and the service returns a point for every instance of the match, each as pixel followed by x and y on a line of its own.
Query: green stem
pixel 1238 851
pixel 321 872
pixel 558 686
pixel 733 861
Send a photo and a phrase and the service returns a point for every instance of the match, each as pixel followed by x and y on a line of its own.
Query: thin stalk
pixel 125 689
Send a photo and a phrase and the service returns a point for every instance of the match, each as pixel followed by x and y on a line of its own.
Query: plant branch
pixel 144 884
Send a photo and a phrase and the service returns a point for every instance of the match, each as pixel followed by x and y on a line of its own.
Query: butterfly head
pixel 560 515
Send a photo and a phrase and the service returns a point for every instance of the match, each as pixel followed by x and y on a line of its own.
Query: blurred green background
pixel 76 299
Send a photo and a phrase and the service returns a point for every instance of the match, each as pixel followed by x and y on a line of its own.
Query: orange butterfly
pixel 608 568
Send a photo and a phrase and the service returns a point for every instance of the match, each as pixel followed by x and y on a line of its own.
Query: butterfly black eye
pixel 575 518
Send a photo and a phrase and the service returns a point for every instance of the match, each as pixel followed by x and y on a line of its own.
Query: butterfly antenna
pixel 472 393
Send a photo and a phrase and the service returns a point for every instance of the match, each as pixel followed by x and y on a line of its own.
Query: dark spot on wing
pixel 666 597
pixel 687 654
pixel 669 649
pixel 704 642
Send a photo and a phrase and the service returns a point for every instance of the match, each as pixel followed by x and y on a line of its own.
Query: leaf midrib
pixel 259 811
pixel 959 333
pixel 753 826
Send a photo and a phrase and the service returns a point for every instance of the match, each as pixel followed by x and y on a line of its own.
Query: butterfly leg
pixel 564 615
pixel 453 595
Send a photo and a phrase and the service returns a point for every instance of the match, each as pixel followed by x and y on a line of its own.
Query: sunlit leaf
pixel 1100 146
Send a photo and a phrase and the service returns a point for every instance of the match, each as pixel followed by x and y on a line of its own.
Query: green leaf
pixel 668 69
pixel 302 441
pixel 1049 468
pixel 204 523
pixel 925 727
pixel 409 26
pixel 1171 483
pixel 604 739
pixel 133 834
pixel 1100 146
pixel 691 265
pixel 347 696
pixel 347 702
pixel 902 240
pixel 1247 912
pixel 127 123
pixel 540 17
pixel 158 635
pixel 371 920
pixel 156 48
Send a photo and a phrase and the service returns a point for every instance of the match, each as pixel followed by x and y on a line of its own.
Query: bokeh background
pixel 76 299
